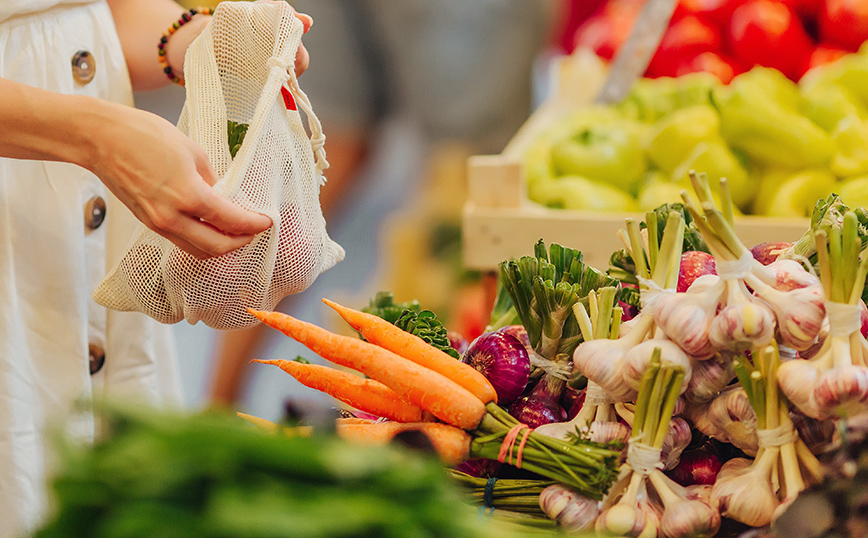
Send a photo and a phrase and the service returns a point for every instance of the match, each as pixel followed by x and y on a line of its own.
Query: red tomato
pixel 807 10
pixel 768 33
pixel 710 62
pixel 685 37
pixel 605 31
pixel 716 11
pixel 844 23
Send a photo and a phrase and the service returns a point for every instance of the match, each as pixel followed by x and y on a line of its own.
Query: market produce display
pixel 697 388
pixel 780 144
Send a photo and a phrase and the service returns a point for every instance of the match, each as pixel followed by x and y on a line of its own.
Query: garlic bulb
pixel 745 323
pixel 637 359
pixel 676 440
pixel 608 432
pixel 746 495
pixel 686 317
pixel 785 275
pixel 573 512
pixel 708 378
pixel 799 312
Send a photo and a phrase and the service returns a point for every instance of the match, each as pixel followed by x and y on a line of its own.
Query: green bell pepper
pixel 759 118
pixel 828 104
pixel 580 193
pixel 851 147
pixel 718 161
pixel 672 137
pixel 795 194
pixel 608 152
pixel 854 191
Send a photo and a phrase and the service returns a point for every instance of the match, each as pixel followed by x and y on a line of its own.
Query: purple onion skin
pixel 458 342
pixel 542 405
pixel 503 360
pixel 519 332
pixel 572 400
pixel 479 467
pixel 696 467
pixel 767 252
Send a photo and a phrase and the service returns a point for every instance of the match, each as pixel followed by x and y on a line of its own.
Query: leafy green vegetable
pixel 410 317
pixel 383 305
pixel 828 214
pixel 543 289
pixel 236 133
pixel 426 326
pixel 157 473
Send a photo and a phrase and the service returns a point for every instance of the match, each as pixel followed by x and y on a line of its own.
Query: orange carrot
pixel 427 389
pixel 451 444
pixel 386 335
pixel 367 395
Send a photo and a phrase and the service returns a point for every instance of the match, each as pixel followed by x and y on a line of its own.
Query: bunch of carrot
pixel 416 386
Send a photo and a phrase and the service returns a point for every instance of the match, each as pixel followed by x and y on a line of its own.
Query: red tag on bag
pixel 288 100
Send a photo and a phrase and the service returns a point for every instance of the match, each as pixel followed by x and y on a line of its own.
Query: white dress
pixel 56 244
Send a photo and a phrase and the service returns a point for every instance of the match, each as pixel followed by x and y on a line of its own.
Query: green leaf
pixel 383 305
pixel 426 326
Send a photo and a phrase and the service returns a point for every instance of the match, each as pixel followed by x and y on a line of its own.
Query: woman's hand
pixel 165 179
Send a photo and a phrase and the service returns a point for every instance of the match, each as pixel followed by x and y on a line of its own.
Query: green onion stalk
pixel 753 494
pixel 514 495
pixel 588 468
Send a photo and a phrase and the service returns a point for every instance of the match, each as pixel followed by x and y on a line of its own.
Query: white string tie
pixel 776 437
pixel 650 291
pixel 595 395
pixel 642 458
pixel 844 319
pixel 735 269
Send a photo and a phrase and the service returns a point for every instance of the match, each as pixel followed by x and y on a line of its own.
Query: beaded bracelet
pixel 161 46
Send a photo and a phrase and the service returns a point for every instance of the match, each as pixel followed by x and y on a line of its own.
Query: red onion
pixel 458 342
pixel 519 332
pixel 542 405
pixel 694 264
pixel 503 360
pixel 698 466
pixel 479 467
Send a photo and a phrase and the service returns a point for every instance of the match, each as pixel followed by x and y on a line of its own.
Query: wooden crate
pixel 500 222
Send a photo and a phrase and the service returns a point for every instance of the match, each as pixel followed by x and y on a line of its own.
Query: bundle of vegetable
pixel 156 473
pixel 453 392
pixel 785 296
pixel 542 290
pixel 752 492
pixel 596 419
pixel 618 365
pixel 630 508
pixel 834 382
pixel 513 494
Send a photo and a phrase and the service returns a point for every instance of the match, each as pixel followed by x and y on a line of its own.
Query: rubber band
pixel 595 395
pixel 735 269
pixel 776 437
pixel 649 291
pixel 642 458
pixel 509 443
pixel 488 493
pixel 844 319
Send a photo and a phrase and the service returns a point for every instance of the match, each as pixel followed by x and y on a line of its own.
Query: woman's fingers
pixel 302 60
pixel 306 20
pixel 203 241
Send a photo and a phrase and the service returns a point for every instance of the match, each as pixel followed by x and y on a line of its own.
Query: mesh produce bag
pixel 240 69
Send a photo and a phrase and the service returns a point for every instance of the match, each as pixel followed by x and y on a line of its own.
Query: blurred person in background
pixel 78 165
pixel 459 76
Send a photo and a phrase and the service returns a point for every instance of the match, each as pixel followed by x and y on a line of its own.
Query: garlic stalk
pixel 744 321
pixel 752 494
pixel 600 368
pixel 681 517
pixel 834 382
